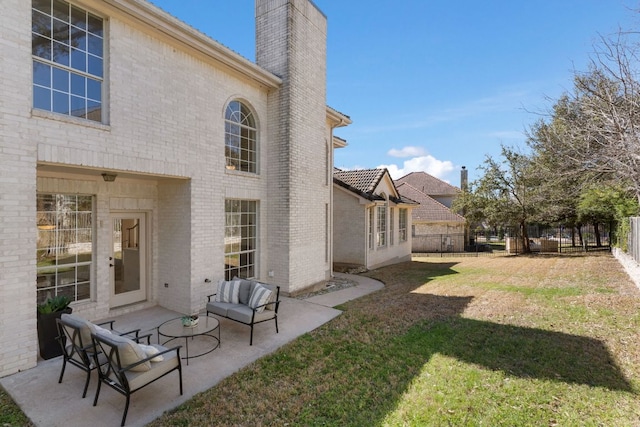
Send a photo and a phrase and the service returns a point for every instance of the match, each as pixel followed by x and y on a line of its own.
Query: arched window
pixel 240 137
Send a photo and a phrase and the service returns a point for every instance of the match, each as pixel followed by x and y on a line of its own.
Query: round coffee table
pixel 206 327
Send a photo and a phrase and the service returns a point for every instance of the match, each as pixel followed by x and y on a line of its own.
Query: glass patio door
pixel 128 260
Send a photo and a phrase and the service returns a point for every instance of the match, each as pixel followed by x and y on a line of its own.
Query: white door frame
pixel 134 254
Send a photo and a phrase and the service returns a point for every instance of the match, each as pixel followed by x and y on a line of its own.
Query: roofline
pixel 337 119
pixel 168 25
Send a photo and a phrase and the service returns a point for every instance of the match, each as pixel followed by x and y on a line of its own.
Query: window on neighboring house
pixel 68 59
pixel 391 226
pixel 240 138
pixel 402 225
pixel 65 246
pixel 240 238
pixel 371 226
pixel 381 228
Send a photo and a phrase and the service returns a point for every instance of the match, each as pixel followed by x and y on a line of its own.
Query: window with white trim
pixel 240 238
pixel 68 59
pixel 240 138
pixel 381 227
pixel 371 225
pixel 65 246
pixel 391 226
pixel 402 225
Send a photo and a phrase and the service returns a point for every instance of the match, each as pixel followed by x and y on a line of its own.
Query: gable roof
pixel 429 209
pixel 364 183
pixel 428 184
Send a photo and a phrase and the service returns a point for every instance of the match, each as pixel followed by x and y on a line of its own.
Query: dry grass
pixel 454 341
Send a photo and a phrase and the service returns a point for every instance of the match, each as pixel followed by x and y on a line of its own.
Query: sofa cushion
pixel 243 314
pixel 228 291
pixel 221 308
pixel 260 296
pixel 246 286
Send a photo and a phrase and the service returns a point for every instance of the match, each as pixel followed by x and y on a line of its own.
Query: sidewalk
pixel 49 404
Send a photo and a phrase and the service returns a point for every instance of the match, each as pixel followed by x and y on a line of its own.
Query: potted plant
pixel 190 321
pixel 48 332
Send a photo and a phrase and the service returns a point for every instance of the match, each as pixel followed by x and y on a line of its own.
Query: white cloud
pixel 408 151
pixel 428 164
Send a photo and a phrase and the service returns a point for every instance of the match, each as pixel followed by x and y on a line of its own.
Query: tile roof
pixel 429 209
pixel 428 184
pixel 363 180
pixel 364 183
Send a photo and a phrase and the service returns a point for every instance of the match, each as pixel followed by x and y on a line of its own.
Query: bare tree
pixel 594 131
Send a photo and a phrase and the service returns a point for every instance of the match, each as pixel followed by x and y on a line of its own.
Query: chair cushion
pixel 150 350
pixel 228 291
pixel 140 379
pixel 260 295
pixel 129 351
pixel 84 326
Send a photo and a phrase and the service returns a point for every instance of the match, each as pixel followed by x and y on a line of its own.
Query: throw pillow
pixel 130 352
pixel 150 350
pixel 259 296
pixel 228 291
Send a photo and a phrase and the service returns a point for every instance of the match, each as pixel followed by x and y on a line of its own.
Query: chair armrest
pixel 148 359
pixel 141 337
pixel 209 297
pixel 135 332
pixel 108 322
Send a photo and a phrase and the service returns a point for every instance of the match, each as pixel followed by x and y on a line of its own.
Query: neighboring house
pixel 433 187
pixel 371 221
pixel 142 161
pixel 435 227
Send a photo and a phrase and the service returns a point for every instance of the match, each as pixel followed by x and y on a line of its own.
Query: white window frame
pixel 68 51
pixel 241 238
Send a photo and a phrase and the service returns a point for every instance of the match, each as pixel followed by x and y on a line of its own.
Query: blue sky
pixel 434 85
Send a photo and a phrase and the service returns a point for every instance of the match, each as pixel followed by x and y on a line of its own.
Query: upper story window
pixel 240 138
pixel 68 59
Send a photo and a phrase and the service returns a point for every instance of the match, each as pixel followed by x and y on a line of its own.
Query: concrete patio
pixel 50 404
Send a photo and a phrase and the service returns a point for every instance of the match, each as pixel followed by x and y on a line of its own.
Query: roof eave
pixel 169 26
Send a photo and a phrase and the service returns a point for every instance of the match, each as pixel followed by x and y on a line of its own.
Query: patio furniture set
pixel 127 361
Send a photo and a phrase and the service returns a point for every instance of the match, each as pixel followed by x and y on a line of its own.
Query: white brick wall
pixel 291 42
pixel 164 137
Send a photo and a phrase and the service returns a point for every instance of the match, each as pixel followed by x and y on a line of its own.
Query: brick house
pixel 436 228
pixel 142 161
pixel 372 221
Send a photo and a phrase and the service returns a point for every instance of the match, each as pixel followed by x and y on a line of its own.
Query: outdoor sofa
pixel 245 301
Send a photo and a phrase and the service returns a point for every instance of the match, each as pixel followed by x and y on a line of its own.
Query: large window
pixel 240 138
pixel 391 226
pixel 240 238
pixel 381 228
pixel 371 226
pixel 65 246
pixel 402 224
pixel 68 59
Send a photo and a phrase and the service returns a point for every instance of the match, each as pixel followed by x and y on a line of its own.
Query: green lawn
pixel 495 341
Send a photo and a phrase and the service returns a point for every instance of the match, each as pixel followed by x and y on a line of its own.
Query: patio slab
pixel 50 404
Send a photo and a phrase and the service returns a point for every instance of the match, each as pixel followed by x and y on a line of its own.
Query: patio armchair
pixel 74 336
pixel 129 367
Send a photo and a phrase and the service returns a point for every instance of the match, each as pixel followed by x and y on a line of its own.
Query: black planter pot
pixel 48 332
